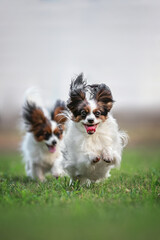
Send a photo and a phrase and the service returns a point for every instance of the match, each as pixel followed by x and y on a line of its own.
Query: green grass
pixel 125 206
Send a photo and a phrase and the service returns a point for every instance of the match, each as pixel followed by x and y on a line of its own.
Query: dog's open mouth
pixel 51 148
pixel 90 128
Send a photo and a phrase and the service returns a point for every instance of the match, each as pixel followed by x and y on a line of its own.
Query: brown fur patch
pixel 37 117
pixel 59 131
pixel 103 118
pixel 104 99
pixel 41 131
pixel 38 123
pixel 104 95
pixel 87 109
pixel 60 119
pixel 77 119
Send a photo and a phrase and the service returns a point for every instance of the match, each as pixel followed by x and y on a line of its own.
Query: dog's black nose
pixel 91 120
pixel 54 142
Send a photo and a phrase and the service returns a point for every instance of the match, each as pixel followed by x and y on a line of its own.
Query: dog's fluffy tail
pixel 32 95
pixel 124 138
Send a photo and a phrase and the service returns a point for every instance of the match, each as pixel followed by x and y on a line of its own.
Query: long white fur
pixel 80 149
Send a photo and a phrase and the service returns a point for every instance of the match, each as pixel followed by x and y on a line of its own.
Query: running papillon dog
pixel 93 141
pixel 44 134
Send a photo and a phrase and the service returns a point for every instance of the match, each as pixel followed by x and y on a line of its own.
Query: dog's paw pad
pixel 107 160
pixel 95 160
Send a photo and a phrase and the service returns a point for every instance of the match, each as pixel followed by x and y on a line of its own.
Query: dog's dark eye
pixel 47 135
pixel 58 131
pixel 97 113
pixel 83 113
pixel 57 134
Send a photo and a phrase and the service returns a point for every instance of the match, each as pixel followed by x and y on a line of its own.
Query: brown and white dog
pixel 93 142
pixel 44 133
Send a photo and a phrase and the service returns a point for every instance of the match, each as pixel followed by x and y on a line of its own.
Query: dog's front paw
pixel 108 158
pixel 96 160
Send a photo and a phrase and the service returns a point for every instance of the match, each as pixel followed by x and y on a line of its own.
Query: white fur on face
pixel 92 104
pixel 51 139
pixel 53 136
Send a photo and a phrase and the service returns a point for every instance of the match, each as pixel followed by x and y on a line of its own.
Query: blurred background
pixel 45 43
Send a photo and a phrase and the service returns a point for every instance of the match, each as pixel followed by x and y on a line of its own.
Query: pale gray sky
pixel 45 43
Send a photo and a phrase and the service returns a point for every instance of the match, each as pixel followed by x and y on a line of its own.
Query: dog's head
pixel 89 104
pixel 49 131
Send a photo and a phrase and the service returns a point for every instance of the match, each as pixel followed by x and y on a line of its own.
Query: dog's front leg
pixel 107 156
pixel 58 169
pixel 37 172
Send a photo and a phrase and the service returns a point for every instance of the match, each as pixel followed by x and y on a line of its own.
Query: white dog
pixel 93 142
pixel 44 133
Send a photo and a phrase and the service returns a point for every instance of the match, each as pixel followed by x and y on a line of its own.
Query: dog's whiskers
pixel 64 115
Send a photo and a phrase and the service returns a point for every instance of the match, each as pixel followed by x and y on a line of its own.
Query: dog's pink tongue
pixel 90 129
pixel 51 149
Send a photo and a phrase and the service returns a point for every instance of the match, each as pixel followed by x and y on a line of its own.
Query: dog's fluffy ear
pixel 33 116
pixel 103 96
pixel 78 83
pixel 35 121
pixel 77 93
pixel 58 112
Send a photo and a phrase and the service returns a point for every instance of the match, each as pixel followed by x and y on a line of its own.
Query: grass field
pixel 126 206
